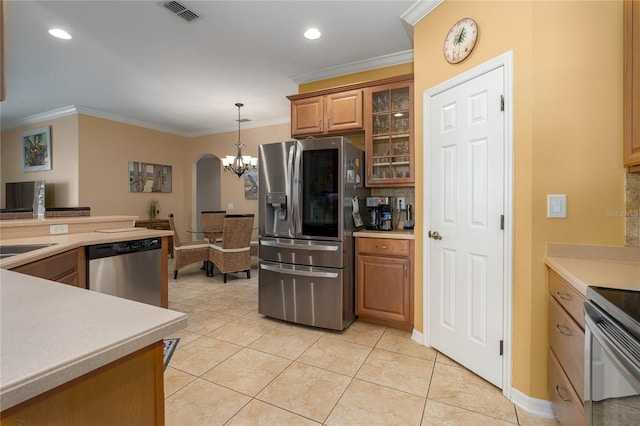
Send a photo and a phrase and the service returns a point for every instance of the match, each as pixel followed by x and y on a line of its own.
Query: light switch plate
pixel 557 206
pixel 400 205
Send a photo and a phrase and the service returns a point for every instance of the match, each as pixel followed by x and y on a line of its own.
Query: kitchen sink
pixel 8 251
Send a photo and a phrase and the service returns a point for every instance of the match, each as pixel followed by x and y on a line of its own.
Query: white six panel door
pixel 466 178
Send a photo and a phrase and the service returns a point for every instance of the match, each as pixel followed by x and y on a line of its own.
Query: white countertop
pixel 397 234
pixel 51 333
pixel 64 242
pixel 605 266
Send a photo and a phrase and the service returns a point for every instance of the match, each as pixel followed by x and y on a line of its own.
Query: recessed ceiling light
pixel 57 32
pixel 312 34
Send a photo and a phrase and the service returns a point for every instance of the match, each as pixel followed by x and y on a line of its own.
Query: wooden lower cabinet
pixel 566 351
pixel 128 391
pixel 567 342
pixel 566 403
pixel 384 282
pixel 67 268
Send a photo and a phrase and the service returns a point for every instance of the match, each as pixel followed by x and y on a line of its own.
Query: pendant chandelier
pixel 240 164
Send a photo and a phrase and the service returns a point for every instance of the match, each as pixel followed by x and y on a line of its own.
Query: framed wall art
pixel 36 149
pixel 251 185
pixel 145 177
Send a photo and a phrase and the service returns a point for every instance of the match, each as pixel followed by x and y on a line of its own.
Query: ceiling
pixel 136 61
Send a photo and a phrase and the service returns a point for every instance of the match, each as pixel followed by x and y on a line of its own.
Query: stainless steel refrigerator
pixel 311 196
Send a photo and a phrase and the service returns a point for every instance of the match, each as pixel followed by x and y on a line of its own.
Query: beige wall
pixel 91 157
pixel 62 180
pixel 108 146
pixel 221 145
pixel 105 149
pixel 567 138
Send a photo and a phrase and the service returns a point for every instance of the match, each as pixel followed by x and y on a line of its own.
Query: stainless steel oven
pixel 612 357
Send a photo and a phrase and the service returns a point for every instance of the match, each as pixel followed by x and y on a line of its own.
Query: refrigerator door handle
pixel 289 187
pixel 281 269
pixel 297 165
pixel 299 246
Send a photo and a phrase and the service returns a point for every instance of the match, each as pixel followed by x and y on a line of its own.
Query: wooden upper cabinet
pixel 632 85
pixel 307 116
pixel 3 80
pixel 388 126
pixel 344 111
pixel 331 113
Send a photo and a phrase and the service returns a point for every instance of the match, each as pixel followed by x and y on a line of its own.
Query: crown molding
pixel 44 116
pixel 419 10
pixel 353 67
pixel 126 120
pixel 73 110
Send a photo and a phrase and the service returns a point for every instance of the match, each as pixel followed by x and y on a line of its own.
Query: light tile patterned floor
pixel 234 366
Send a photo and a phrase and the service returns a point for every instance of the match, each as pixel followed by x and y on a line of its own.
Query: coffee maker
pixel 380 213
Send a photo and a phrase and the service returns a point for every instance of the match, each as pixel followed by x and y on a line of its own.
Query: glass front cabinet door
pixel 389 134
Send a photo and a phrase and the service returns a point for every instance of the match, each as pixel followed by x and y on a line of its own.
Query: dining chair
pixel 211 222
pixel 233 254
pixel 186 253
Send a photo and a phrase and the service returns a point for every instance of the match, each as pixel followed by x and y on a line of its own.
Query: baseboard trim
pixel 416 336
pixel 535 406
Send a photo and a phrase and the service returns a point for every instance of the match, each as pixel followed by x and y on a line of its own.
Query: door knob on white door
pixel 435 235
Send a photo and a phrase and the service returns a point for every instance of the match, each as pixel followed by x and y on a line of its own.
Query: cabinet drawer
pixel 383 246
pixel 570 300
pixel 566 404
pixel 566 340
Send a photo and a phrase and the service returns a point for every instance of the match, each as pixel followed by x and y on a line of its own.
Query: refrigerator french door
pixel 308 193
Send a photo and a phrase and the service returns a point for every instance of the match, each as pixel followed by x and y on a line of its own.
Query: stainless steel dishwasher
pixel 128 269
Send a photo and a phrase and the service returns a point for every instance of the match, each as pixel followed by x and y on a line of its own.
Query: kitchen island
pixel 74 356
pixel 79 232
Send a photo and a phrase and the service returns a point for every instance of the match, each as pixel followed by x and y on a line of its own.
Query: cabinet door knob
pixel 564 296
pixel 382 246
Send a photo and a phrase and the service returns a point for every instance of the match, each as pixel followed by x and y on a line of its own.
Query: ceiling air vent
pixel 181 11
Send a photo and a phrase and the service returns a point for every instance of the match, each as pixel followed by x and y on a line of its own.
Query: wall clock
pixel 461 40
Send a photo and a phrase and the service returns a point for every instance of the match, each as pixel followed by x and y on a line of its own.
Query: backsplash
pixel 409 198
pixel 632 209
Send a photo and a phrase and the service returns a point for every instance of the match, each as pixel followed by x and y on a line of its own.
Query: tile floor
pixel 234 366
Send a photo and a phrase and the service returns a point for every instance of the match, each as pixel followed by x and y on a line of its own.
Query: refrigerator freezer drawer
pixel 302 294
pixel 302 252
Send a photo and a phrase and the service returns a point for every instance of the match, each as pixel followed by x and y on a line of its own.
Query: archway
pixel 207 187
